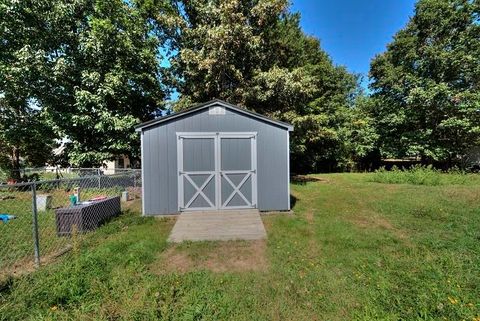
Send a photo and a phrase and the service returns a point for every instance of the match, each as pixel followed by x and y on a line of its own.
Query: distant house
pixel 110 166
pixel 116 165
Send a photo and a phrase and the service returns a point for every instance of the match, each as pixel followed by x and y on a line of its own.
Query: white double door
pixel 216 171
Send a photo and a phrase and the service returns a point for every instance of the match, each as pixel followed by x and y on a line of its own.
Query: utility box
pixel 86 217
pixel 44 202
pixel 124 196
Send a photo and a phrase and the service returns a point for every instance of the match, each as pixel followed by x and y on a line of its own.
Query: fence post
pixel 99 181
pixel 36 243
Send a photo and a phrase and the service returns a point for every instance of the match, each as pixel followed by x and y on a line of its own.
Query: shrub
pixel 423 175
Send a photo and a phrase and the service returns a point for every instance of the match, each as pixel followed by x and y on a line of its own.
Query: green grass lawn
pixel 354 249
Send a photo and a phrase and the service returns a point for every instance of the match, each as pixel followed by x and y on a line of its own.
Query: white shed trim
pixel 288 169
pixel 217 173
pixel 214 102
pixel 143 174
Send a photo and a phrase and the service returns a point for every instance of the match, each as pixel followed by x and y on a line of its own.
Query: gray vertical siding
pixel 198 154
pixel 159 159
pixel 236 154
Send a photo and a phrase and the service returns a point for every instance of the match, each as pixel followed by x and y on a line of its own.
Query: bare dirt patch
pixel 231 256
pixel 27 265
pixel 309 216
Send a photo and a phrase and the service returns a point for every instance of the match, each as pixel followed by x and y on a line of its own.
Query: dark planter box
pixel 86 217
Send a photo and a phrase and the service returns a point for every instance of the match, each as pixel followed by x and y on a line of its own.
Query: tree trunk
pixel 16 163
pixel 424 161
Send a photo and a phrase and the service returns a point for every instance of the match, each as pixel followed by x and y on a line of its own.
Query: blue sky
pixel 352 32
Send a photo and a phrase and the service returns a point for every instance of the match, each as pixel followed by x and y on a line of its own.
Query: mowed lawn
pixel 353 249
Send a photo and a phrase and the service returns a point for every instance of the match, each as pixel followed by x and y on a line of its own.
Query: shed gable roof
pixel 214 102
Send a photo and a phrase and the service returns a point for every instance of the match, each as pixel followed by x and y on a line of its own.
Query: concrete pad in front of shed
pixel 218 226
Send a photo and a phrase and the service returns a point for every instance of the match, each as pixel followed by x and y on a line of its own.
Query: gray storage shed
pixel 214 156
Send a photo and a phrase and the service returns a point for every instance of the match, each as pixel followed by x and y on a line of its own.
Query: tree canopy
pixel 93 69
pixel 87 71
pixel 426 86
pixel 255 54
pixel 90 66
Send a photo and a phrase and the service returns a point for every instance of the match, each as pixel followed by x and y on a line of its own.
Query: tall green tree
pixel 254 53
pixel 26 139
pixel 25 136
pixel 427 84
pixel 93 70
pixel 94 66
pixel 218 46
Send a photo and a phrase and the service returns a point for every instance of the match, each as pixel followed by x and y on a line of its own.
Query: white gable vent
pixel 217 110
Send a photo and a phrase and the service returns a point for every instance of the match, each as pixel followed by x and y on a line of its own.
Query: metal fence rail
pixel 48 173
pixel 38 220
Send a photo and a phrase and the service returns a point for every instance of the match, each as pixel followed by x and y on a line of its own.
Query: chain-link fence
pixel 39 220
pixel 48 173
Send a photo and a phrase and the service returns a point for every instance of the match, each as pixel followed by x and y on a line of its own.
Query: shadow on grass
pixel 293 201
pixel 6 284
pixel 304 179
